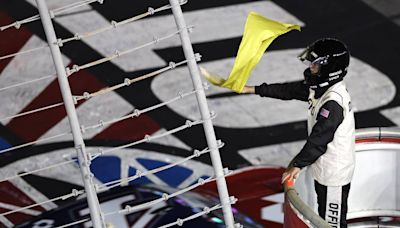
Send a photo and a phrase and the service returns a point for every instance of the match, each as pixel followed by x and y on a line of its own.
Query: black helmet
pixel 333 59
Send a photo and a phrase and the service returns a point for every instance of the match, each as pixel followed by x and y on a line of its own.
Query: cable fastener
pixel 156 39
pixel 128 208
pixel 127 81
pixel 197 57
pixel 117 53
pixel 138 173
pixel 89 176
pixel 212 114
pixel 136 113
pixel 68 71
pixel 147 138
pixel 180 94
pixel 59 42
pixel 114 24
pixel 52 14
pixel 189 123
pixel 86 95
pixel 206 86
pixel 179 222
pixel 74 100
pixel 83 129
pixel 197 153
pixel 76 68
pixel 17 24
pixel 201 181
pixel 77 36
pixel 206 210
pixel 150 10
pixel 172 65
pixel 165 196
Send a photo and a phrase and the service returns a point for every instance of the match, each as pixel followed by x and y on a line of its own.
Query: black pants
pixel 332 204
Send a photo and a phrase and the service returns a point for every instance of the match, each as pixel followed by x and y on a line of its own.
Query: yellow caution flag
pixel 259 32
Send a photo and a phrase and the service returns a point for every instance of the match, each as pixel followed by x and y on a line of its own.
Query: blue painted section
pixel 4 144
pixel 106 168
pixel 141 180
pixel 173 176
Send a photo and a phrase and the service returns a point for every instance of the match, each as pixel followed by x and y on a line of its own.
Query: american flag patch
pixel 324 113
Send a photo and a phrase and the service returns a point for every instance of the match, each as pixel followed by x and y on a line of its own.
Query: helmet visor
pixel 310 58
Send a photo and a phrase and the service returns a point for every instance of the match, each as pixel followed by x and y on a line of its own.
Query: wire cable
pixel 115 183
pixel 114 24
pixel 74 193
pixel 165 197
pixel 23 52
pixel 76 68
pixel 127 82
pixel 34 142
pixel 136 113
pixel 148 138
pixel 53 13
pixel 77 36
pixel 27 82
pixel 40 169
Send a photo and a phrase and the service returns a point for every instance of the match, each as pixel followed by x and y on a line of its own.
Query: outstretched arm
pixel 284 91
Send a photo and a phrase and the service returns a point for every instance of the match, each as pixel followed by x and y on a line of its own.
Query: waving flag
pixel 259 32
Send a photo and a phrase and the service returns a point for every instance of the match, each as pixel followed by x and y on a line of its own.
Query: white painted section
pixel 368 87
pixel 273 212
pixel 21 69
pixel 278 154
pixel 105 107
pixel 170 140
pixel 392 114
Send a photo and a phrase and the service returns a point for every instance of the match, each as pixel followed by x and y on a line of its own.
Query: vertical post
pixel 204 111
pixel 83 158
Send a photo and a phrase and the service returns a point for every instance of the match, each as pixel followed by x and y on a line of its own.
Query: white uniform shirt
pixel 336 166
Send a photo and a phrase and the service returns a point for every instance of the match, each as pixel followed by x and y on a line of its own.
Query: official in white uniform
pixel 329 150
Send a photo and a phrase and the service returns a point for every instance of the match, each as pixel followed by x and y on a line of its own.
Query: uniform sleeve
pixel 284 91
pixel 329 118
